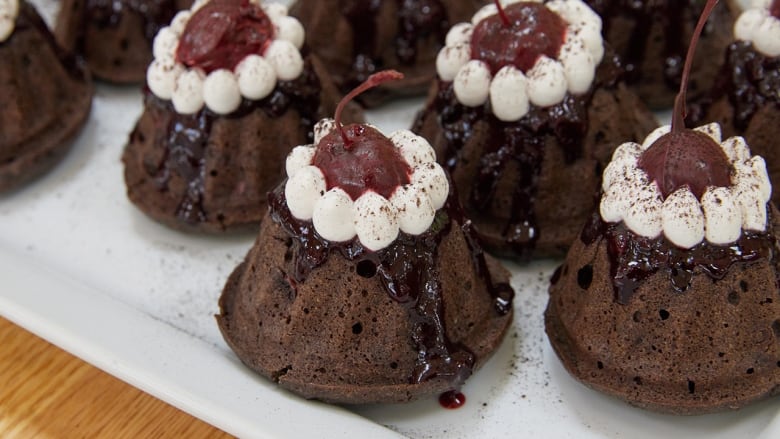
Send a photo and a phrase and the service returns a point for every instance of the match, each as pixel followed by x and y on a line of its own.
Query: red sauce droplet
pixel 774 9
pixel 367 161
pixel 686 158
pixel 452 399
pixel 222 33
pixel 534 31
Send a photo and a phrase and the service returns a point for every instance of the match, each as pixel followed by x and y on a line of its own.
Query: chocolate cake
pixel 669 297
pixel 526 133
pixel 683 330
pixel 115 37
pixel 219 113
pixel 651 38
pixel 45 93
pixel 356 38
pixel 366 283
pixel 745 100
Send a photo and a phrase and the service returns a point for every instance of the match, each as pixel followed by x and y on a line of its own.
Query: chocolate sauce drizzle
pixel 521 142
pixel 407 270
pixel 750 79
pixel 634 258
pixel 108 13
pixel 417 20
pixel 185 137
pixel 642 15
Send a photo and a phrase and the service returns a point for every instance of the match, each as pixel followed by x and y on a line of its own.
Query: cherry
pixel 685 157
pixel 357 158
pixel 221 33
pixel 774 9
pixel 518 36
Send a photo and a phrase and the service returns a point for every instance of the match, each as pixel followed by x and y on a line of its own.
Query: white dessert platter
pixel 84 269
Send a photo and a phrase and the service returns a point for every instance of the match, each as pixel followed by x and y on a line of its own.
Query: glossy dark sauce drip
pixel 185 142
pixel 108 13
pixel 28 18
pixel 521 142
pixel 640 13
pixel 750 80
pixel 408 274
pixel 417 19
pixel 634 258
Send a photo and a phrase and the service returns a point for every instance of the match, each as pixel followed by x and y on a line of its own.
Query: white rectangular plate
pixel 81 267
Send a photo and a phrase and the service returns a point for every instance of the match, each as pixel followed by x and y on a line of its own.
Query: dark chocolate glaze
pixel 750 80
pixel 184 137
pixel 522 141
pixel 28 18
pixel 407 270
pixel 417 20
pixel 108 13
pixel 634 258
pixel 643 14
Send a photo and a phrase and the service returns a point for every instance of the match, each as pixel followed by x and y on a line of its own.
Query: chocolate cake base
pixel 560 192
pixel 355 40
pixel 652 37
pixel 713 347
pixel 211 173
pixel 339 336
pixel 116 43
pixel 46 96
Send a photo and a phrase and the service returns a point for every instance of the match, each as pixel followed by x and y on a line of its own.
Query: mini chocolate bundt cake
pixel 46 95
pixel 115 37
pixel 526 132
pixel 220 110
pixel 355 38
pixel 669 297
pixel 366 283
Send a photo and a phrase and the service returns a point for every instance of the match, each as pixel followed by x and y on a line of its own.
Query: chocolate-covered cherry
pixel 222 33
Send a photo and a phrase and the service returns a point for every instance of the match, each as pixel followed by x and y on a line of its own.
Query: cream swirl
pixel 375 220
pixel 757 25
pixel 222 90
pixel 510 91
pixel 9 10
pixel 719 217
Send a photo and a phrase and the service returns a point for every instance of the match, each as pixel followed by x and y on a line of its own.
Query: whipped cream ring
pixel 375 220
pixel 222 90
pixel 719 217
pixel 759 27
pixel 512 91
pixel 9 10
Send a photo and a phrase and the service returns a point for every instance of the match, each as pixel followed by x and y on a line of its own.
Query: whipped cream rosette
pixel 9 9
pixel 719 215
pixel 760 24
pixel 487 59
pixel 355 206
pixel 192 68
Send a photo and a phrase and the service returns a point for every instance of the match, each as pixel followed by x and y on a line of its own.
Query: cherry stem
pixel 502 13
pixel 372 81
pixel 678 115
pixel 774 9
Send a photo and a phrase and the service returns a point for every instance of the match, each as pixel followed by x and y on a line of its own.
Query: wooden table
pixel 46 392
